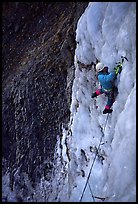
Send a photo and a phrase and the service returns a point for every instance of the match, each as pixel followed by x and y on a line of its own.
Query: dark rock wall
pixel 38 44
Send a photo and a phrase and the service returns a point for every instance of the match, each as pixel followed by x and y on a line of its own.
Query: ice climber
pixel 107 84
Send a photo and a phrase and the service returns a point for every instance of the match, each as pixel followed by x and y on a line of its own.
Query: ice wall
pixel 105 31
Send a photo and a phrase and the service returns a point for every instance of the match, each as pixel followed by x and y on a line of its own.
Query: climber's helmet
pixel 99 67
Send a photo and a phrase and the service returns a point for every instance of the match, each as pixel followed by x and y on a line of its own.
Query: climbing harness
pixel 107 90
pixel 87 181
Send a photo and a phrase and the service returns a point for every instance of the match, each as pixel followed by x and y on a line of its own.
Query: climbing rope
pixel 87 181
pixel 91 192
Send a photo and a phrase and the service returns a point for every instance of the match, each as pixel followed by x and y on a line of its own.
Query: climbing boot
pixel 107 111
pixel 94 95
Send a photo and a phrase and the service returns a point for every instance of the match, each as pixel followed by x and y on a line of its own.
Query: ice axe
pixel 119 64
pixel 122 60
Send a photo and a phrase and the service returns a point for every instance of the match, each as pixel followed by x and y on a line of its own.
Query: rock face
pixel 38 47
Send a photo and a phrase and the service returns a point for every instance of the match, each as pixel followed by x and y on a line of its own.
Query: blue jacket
pixel 107 80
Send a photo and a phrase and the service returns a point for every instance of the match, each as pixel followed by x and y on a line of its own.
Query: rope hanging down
pixel 93 164
pixel 91 192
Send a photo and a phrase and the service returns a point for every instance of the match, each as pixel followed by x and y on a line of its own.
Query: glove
pixel 118 69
